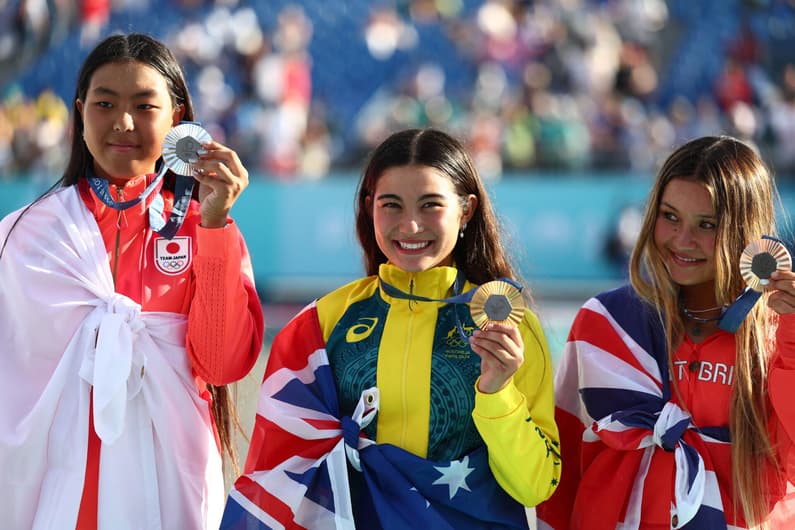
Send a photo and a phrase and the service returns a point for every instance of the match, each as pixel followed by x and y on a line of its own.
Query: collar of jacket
pixel 436 282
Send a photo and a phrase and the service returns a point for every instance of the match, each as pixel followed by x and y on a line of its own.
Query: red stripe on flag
pixel 267 502
pixel 594 328
pixel 282 445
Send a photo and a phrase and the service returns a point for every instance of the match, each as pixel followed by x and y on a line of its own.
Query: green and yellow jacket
pixel 427 375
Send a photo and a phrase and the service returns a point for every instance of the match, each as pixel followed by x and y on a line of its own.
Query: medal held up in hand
pixel 760 259
pixel 182 147
pixel 497 302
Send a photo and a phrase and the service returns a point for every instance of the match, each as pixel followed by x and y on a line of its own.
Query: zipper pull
pixel 120 198
pixel 117 249
pixel 411 291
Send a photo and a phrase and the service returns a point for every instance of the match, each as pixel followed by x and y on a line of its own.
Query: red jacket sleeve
pixel 781 381
pixel 225 322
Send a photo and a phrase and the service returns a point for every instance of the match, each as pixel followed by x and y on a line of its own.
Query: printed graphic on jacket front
pixel 173 256
pixel 454 370
pixel 352 349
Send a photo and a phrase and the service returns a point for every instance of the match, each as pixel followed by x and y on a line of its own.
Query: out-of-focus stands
pixel 569 236
pixel 304 89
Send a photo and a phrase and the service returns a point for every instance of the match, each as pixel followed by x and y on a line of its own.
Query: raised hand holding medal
pixel 216 167
pixel 497 307
pixel 765 265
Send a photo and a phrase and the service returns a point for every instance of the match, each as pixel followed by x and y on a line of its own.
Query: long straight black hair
pixel 141 48
pixel 135 47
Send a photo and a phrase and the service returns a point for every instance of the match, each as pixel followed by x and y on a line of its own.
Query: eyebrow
pixel 702 215
pixel 110 92
pixel 421 198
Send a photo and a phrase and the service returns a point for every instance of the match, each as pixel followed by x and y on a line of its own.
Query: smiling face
pixel 685 232
pixel 417 217
pixel 126 114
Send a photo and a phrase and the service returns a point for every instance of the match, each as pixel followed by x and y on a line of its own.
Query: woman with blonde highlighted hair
pixel 689 414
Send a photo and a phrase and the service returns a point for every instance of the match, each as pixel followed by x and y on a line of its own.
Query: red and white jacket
pixel 111 333
pixel 635 455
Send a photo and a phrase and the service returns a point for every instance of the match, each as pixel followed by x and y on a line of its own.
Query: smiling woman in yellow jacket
pixel 470 407
pixel 426 374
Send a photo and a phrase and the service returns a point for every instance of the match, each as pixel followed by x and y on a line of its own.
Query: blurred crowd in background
pixel 303 90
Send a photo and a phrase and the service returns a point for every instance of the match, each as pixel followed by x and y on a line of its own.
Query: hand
pixel 222 178
pixel 501 352
pixel 782 299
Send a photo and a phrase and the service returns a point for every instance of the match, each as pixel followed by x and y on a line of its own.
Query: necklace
pixel 693 314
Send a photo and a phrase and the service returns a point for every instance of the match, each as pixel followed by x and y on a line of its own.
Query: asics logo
pixel 361 330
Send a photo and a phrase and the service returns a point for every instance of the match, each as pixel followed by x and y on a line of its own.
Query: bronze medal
pixel 760 259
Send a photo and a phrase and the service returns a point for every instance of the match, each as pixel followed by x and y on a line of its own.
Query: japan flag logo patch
pixel 173 256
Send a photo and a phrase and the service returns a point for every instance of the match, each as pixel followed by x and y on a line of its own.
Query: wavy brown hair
pixel 480 252
pixel 744 198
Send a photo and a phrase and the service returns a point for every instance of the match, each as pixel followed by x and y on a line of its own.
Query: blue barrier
pixel 303 243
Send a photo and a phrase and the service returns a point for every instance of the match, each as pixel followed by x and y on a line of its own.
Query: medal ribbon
pixel 182 195
pixel 457 298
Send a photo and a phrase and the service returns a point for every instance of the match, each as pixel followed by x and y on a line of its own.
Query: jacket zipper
pixel 409 326
pixel 120 193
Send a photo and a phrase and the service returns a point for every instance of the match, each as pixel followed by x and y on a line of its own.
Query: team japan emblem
pixel 173 256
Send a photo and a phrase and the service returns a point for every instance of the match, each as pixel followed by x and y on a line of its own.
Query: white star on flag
pixel 455 475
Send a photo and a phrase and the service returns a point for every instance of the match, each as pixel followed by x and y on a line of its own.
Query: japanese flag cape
pixel 297 467
pixel 63 332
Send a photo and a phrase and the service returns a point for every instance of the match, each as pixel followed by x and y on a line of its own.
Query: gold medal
pixel 497 302
pixel 182 146
pixel 760 259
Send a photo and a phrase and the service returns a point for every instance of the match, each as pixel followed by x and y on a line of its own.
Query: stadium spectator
pixel 576 85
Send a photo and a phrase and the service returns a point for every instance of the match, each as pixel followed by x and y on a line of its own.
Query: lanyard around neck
pixel 182 194
pixel 458 297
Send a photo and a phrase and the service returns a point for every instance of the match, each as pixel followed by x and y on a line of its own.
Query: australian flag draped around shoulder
pixel 297 467
pixel 617 353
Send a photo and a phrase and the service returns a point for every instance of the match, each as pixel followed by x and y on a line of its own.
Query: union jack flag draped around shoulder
pixel 614 377
pixel 302 481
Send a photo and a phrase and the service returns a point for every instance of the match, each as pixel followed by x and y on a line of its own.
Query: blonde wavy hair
pixel 745 198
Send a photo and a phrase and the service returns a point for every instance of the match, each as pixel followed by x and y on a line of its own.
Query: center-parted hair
pixel 479 253
pixel 135 47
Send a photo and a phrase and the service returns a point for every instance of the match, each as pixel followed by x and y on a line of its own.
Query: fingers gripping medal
pixel 760 259
pixel 182 147
pixel 497 302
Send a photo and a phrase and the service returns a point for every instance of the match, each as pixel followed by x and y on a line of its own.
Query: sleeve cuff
pixel 216 242
pixel 499 404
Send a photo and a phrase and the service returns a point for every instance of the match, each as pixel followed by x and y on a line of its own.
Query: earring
pixel 461 233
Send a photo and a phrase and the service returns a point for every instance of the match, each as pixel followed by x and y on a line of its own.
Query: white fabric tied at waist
pixel 116 369
pixel 159 467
